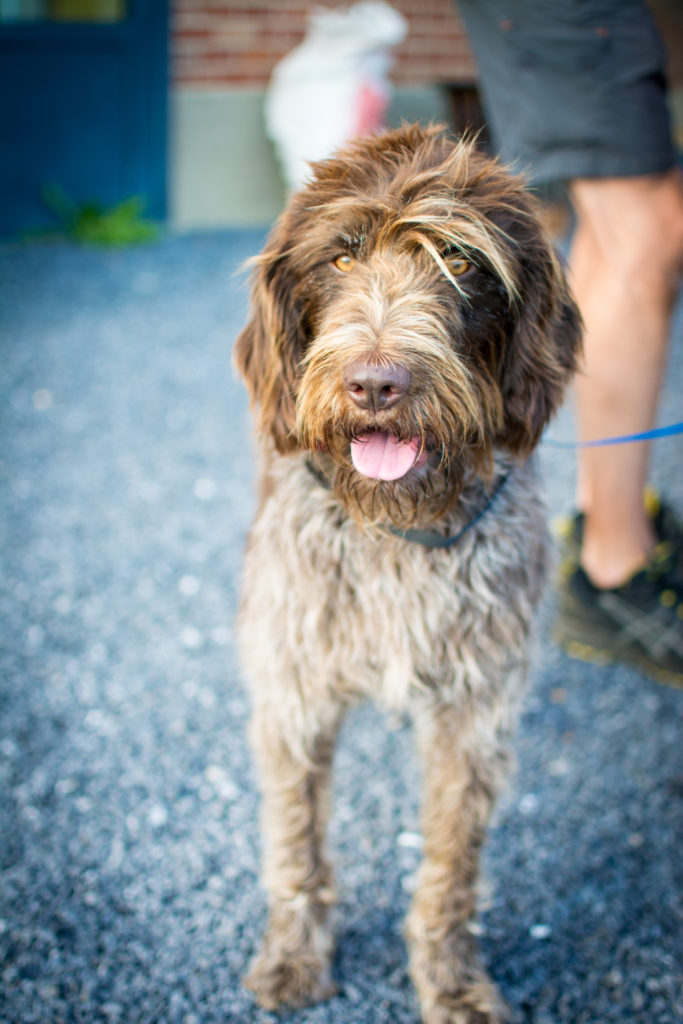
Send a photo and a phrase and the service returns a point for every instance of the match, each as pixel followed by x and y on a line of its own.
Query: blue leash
pixel 647 435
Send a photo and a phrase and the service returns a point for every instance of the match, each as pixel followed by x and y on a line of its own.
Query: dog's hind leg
pixel 460 787
pixel 294 964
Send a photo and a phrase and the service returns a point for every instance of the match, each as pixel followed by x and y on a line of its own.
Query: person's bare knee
pixel 635 226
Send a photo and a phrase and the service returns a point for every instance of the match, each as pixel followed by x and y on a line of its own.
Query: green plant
pixel 90 223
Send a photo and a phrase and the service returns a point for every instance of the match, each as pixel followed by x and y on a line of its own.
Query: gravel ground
pixel 128 808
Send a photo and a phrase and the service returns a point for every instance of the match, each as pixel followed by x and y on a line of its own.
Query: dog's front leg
pixel 294 964
pixel 459 791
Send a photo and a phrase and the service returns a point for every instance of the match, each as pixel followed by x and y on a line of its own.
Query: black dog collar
pixel 427 538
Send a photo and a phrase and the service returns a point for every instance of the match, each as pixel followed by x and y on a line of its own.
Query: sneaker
pixel 668 527
pixel 639 623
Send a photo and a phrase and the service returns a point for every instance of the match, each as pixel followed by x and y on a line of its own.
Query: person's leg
pixel 625 265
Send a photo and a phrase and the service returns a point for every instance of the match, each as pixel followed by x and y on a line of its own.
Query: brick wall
pixel 233 43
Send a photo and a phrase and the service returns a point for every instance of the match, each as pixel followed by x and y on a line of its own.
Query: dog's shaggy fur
pixel 407 294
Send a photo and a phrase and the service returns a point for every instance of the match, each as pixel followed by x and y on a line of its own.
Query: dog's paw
pixel 453 988
pixel 479 1004
pixel 281 980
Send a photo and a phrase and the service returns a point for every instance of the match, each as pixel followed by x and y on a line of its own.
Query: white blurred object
pixel 334 85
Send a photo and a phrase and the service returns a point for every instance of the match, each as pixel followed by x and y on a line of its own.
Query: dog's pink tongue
pixel 383 457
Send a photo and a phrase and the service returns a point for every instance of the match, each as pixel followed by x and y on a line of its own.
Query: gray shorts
pixel 572 88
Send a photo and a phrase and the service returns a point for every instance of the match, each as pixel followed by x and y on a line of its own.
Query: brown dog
pixel 411 333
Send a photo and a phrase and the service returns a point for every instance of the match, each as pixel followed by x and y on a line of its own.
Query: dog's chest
pixel 331 605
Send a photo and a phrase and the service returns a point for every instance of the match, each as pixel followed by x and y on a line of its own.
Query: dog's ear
pixel 268 350
pixel 543 348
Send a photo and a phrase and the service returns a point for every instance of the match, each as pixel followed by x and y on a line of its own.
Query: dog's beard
pixel 423 494
pixel 420 498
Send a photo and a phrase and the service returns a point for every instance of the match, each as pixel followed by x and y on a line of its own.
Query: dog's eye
pixel 344 263
pixel 458 265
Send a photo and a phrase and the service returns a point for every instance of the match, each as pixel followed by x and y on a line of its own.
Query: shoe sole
pixel 599 656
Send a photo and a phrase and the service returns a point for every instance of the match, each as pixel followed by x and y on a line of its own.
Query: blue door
pixel 83 105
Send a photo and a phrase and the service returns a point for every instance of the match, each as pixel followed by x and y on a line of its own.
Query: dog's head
pixel 409 318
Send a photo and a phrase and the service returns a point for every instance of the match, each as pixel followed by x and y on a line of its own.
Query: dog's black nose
pixel 376 385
